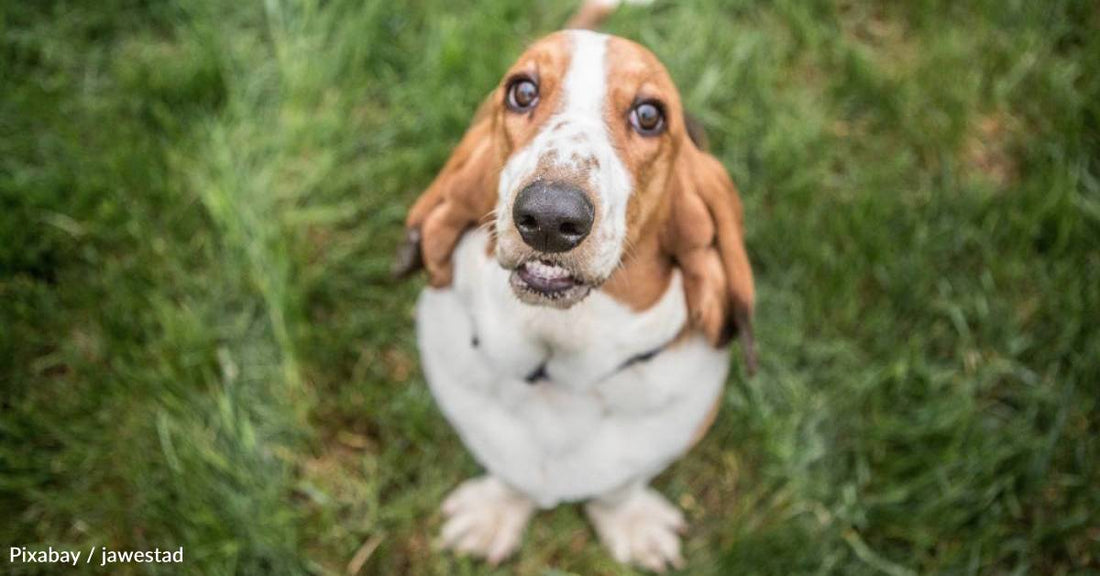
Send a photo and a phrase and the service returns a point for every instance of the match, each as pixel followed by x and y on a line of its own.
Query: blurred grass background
pixel 200 345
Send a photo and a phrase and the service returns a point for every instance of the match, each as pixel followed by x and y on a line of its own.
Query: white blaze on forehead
pixel 578 133
pixel 586 81
pixel 576 138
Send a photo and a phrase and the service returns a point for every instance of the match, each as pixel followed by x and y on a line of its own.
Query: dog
pixel 586 269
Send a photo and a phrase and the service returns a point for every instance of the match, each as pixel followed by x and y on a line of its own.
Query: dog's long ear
pixel 705 236
pixel 459 198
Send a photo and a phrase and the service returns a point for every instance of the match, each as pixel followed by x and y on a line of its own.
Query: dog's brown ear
pixel 705 236
pixel 460 197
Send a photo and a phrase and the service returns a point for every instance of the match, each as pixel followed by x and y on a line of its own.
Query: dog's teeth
pixel 546 271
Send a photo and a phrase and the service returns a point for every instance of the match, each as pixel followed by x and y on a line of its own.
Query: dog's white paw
pixel 642 529
pixel 485 518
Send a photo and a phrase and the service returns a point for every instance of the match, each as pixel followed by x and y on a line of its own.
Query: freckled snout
pixel 552 216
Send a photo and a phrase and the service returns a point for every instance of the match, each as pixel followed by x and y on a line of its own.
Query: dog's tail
pixel 592 13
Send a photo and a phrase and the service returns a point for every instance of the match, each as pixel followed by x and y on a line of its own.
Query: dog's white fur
pixel 591 430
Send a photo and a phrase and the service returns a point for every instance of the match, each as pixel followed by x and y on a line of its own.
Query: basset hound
pixel 587 270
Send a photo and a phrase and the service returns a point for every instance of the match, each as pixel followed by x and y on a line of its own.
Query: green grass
pixel 200 345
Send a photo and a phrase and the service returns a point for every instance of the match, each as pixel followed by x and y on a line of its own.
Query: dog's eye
pixel 647 119
pixel 523 95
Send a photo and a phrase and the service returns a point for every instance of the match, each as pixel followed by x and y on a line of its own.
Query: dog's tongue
pixel 546 277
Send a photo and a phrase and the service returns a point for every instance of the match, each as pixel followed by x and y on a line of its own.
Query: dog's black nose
pixel 552 216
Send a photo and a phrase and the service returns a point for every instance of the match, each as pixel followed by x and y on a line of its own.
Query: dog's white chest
pixel 563 404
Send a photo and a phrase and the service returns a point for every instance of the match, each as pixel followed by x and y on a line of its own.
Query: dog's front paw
pixel 485 518
pixel 642 529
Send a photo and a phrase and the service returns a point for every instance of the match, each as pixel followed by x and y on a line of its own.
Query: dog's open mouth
pixel 546 283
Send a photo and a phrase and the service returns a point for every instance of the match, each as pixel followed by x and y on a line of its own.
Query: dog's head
pixel 582 163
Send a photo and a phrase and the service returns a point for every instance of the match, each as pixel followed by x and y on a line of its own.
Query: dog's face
pixel 581 163
pixel 585 119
